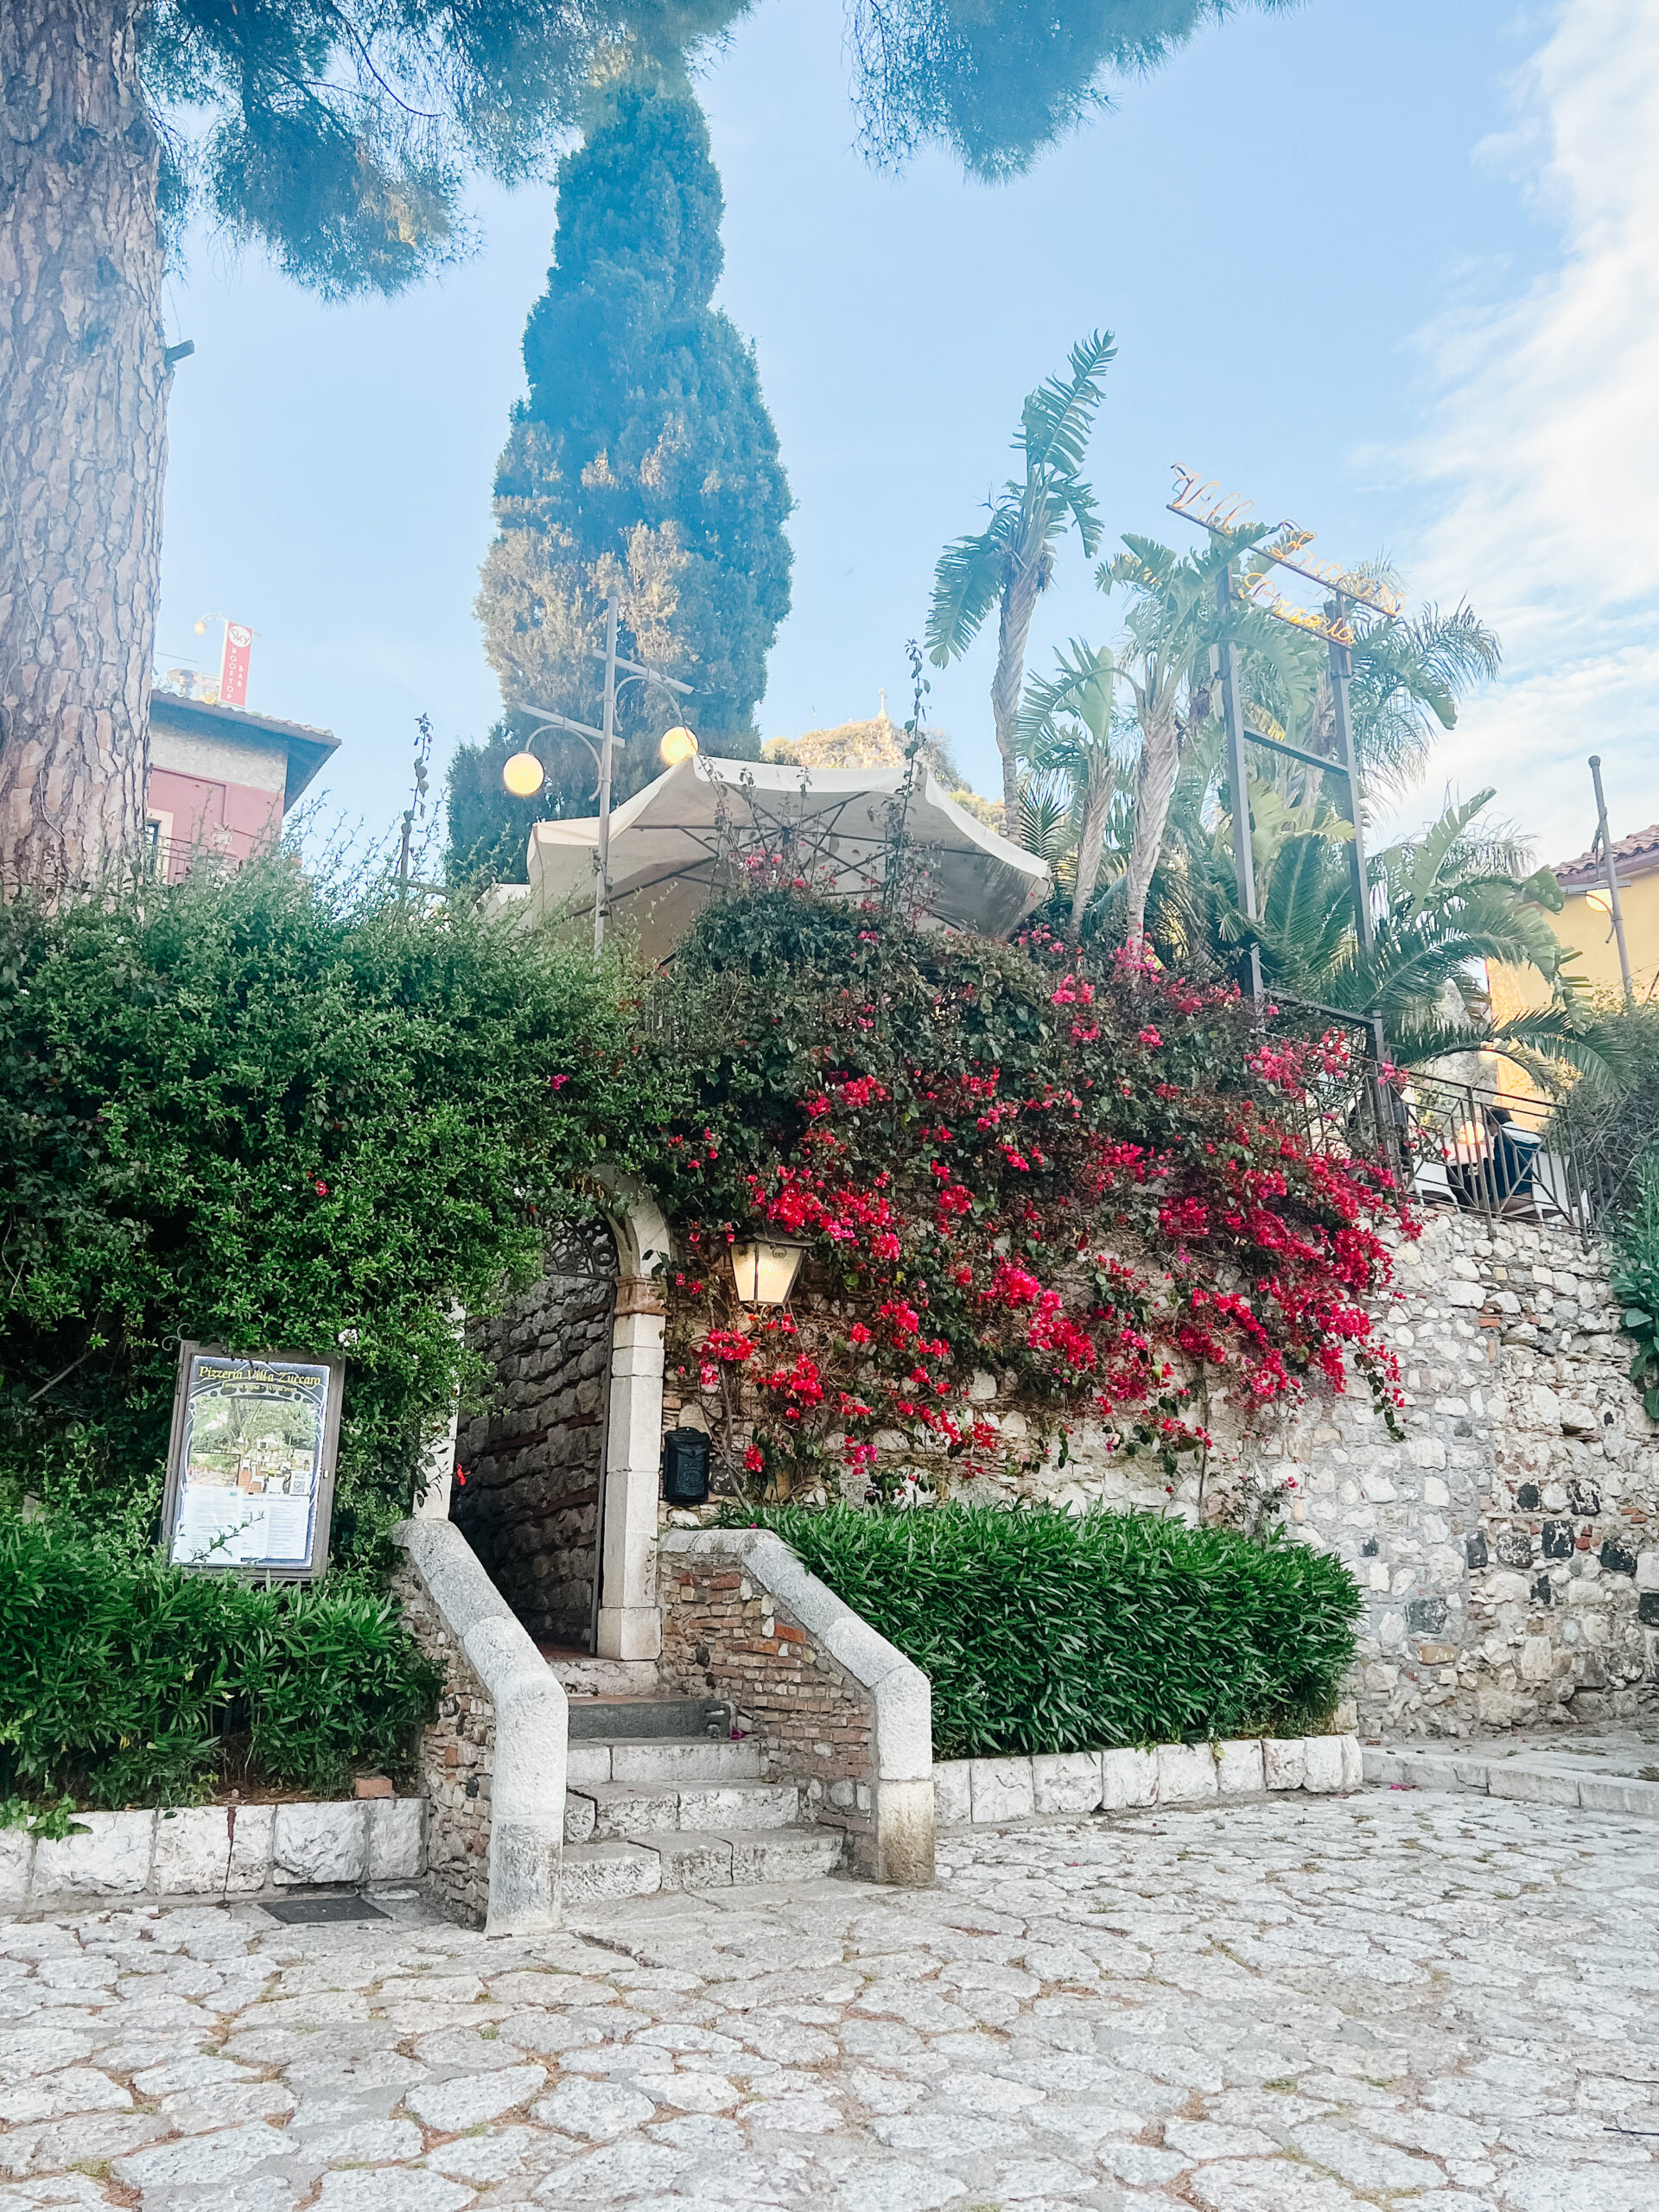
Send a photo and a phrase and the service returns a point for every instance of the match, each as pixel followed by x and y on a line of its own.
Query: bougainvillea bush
pixel 1093 1180
pixel 1042 1630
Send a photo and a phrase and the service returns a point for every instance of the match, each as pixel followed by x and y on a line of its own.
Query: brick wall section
pixel 529 1507
pixel 813 1725
pixel 454 1762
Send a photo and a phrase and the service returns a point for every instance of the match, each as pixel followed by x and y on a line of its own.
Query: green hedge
pixel 1041 1630
pixel 123 1680
pixel 273 1112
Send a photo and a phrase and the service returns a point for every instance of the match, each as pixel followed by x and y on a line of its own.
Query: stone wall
pixel 455 1762
pixel 530 1505
pixel 1505 1547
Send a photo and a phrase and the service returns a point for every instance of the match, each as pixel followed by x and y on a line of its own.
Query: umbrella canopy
pixel 837 828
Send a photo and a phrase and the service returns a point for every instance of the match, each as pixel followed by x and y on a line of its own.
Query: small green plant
pixel 51 1823
pixel 124 1680
pixel 1042 1630
pixel 1636 1282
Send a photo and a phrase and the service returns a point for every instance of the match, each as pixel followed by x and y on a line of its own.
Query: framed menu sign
pixel 251 1467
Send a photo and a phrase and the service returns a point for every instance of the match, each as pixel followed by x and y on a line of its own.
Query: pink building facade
pixel 221 779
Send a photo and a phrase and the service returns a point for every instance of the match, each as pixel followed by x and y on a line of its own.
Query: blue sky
pixel 1392 271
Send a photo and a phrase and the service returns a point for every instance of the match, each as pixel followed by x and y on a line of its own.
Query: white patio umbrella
pixel 669 841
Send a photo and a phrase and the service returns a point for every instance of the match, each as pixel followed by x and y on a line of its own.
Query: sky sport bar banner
pixel 251 1467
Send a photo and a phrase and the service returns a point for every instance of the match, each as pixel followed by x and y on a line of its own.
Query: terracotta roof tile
pixel 1637 855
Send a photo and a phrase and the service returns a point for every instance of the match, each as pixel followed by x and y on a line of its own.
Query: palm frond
pixel 1059 414
pixel 967 583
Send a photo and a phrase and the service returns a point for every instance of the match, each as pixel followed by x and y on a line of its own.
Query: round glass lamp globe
pixel 678 744
pixel 524 775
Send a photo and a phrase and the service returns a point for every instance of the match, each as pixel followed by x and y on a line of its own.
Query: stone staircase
pixel 658 1797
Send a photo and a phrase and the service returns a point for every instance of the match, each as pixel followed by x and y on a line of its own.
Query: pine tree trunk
pixel 1018 604
pixel 83 439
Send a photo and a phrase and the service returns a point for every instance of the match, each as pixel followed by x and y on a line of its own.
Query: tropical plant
pixel 1175 616
pixel 1010 562
pixel 1408 675
pixel 1444 901
pixel 124 1680
pixel 1047 1167
pixel 1065 734
pixel 1636 1281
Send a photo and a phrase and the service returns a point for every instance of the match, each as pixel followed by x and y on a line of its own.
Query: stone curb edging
pixel 1540 1782
pixel 531 1726
pixel 975 1792
pixel 190 1854
pixel 901 1697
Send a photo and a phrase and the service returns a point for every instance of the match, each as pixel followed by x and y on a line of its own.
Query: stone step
pixel 724 1858
pixel 1608 1782
pixel 677 1858
pixel 602 1812
pixel 650 1717
pixel 662 1759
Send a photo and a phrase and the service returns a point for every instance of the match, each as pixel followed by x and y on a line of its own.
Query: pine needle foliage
pixel 1044 1630
pixel 999 80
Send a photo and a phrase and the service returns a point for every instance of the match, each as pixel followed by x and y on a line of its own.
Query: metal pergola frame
pixel 1223 660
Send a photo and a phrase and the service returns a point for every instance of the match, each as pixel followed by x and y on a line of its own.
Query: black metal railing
pixel 1502 1151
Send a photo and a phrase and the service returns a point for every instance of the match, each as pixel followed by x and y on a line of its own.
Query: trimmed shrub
pixel 1042 1630
pixel 123 1680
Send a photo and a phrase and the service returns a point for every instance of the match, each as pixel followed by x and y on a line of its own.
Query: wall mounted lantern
pixel 766 1273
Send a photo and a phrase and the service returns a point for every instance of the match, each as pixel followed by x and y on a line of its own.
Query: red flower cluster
pixel 1098 1216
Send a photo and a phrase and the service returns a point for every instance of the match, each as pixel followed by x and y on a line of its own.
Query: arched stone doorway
pixel 562 1473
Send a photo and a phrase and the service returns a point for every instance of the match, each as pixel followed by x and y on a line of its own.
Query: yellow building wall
pixel 1588 933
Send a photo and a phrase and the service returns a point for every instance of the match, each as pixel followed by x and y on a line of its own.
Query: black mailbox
pixel 685 1466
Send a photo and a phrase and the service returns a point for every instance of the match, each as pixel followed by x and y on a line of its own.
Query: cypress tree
pixel 643 461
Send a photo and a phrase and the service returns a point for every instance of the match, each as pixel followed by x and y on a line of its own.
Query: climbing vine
pixel 1088 1179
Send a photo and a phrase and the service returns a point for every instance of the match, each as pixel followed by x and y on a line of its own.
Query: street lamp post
pixel 599 743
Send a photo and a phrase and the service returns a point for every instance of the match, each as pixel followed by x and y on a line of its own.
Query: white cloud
pixel 1541 450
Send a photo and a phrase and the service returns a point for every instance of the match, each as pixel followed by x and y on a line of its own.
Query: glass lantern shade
pixel 764 1273
pixel 524 775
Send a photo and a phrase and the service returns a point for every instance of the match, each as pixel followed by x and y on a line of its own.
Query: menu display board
pixel 251 1468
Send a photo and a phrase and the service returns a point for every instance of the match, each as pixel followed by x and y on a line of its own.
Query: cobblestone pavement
pixel 1396 1999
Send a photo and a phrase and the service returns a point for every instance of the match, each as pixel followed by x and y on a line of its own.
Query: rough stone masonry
pixel 1506 1547
pixel 530 1505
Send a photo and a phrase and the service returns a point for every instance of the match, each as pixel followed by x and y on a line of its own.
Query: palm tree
pixel 1442 901
pixel 1011 561
pixel 1175 616
pixel 1407 675
pixel 1066 733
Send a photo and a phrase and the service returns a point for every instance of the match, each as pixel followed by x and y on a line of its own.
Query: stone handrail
pixel 527 1808
pixel 871 1771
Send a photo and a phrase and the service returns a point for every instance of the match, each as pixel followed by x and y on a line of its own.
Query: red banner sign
pixel 233 669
